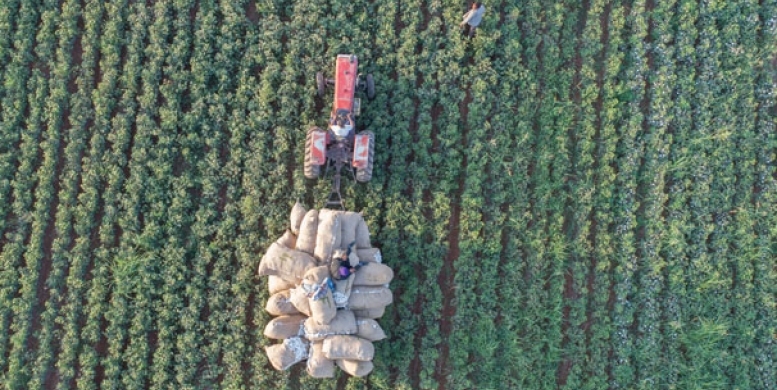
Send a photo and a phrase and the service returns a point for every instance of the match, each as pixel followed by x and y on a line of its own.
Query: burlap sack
pixel 343 323
pixel 373 274
pixel 288 240
pixel 279 305
pixel 369 255
pixel 368 297
pixel 342 292
pixel 299 299
pixel 362 235
pixel 348 347
pixel 318 365
pixel 355 367
pixel 334 263
pixel 286 263
pixel 353 259
pixel 328 236
pixel 284 327
pixel 370 313
pixel 291 351
pixel 316 275
pixel 306 239
pixel 323 309
pixel 369 329
pixel 276 284
pixel 350 221
pixel 297 214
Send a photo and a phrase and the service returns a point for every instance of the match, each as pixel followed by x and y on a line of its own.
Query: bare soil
pixel 251 13
pixel 399 25
pixel 445 278
pixel 102 351
pixel 590 278
pixel 415 364
pixel 76 54
pixel 564 368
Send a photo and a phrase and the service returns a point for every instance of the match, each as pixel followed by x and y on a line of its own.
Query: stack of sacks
pixel 327 321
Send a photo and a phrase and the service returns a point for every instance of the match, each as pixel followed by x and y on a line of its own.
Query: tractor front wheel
pixel 320 84
pixel 364 175
pixel 312 171
pixel 370 87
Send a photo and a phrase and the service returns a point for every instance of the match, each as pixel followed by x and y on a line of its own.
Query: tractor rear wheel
pixel 370 87
pixel 312 171
pixel 320 84
pixel 364 175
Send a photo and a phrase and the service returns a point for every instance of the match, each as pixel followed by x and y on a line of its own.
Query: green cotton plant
pixel 127 269
pixel 75 140
pixel 610 165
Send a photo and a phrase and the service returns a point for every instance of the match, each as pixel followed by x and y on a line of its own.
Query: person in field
pixel 472 19
pixel 344 267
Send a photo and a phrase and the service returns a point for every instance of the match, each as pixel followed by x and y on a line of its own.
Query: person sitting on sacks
pixel 345 270
pixel 345 267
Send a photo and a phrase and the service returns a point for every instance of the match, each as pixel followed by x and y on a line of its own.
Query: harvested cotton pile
pixel 328 321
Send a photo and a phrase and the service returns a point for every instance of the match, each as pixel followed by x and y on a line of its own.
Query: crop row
pixel 579 197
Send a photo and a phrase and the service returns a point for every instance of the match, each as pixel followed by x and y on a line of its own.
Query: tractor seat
pixel 341 131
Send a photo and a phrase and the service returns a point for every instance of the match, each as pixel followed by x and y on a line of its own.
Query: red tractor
pixel 340 146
